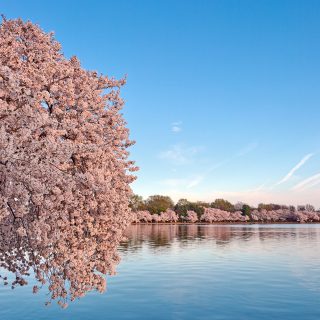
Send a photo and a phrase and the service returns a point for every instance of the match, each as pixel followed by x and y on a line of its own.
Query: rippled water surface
pixel 198 272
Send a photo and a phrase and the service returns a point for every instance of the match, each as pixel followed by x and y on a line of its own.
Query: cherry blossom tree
pixel 284 215
pixel 213 215
pixel 155 217
pixel 143 216
pixel 191 216
pixel 64 168
pixel 216 215
pixel 168 216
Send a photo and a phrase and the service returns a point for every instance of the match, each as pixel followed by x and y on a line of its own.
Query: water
pixel 198 272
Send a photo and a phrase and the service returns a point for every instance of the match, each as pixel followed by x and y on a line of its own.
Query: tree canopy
pixel 222 205
pixel 158 203
pixel 64 168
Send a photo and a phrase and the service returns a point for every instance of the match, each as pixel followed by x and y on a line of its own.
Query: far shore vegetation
pixel 162 209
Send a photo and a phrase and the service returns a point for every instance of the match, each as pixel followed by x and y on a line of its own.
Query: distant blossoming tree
pixel 155 217
pixel 191 216
pixel 143 216
pixel 216 215
pixel 168 216
pixel 282 215
pixel 64 168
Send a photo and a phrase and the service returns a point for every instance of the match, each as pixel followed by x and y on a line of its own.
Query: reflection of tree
pixel 71 258
pixel 164 235
pixel 160 235
pixel 187 232
pixel 156 234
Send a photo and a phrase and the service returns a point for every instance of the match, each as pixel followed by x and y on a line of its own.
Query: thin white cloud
pixel 176 127
pixel 247 149
pixel 295 168
pixel 260 188
pixel 182 183
pixel 307 183
pixel 173 182
pixel 180 155
pixel 195 181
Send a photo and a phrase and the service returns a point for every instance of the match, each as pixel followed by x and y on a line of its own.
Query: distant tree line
pixel 159 208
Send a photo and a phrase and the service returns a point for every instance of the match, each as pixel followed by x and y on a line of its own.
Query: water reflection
pixel 243 272
pixel 69 257
pixel 294 246
pixel 162 235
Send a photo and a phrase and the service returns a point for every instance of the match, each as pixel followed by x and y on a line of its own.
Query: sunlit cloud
pixel 176 127
pixel 260 187
pixel 308 183
pixel 180 155
pixel 182 183
pixel 195 181
pixel 247 149
pixel 172 182
pixel 193 185
pixel 294 169
pixel 200 177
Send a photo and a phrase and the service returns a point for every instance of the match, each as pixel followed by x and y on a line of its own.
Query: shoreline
pixel 222 223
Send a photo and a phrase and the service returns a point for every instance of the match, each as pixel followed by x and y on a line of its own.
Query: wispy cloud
pixel 244 151
pixel 188 183
pixel 260 187
pixel 176 127
pixel 247 149
pixel 307 183
pixel 173 182
pixel 195 181
pixel 295 168
pixel 180 155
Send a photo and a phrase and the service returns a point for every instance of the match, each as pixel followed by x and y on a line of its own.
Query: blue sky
pixel 222 96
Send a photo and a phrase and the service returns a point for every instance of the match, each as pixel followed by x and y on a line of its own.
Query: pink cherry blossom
pixel 64 168
pixel 191 216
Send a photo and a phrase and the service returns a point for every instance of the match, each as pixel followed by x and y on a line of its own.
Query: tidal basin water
pixel 198 272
